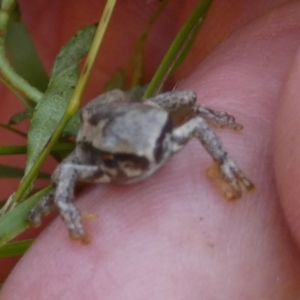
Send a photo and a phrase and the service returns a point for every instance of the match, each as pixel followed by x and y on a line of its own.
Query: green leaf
pixel 14 222
pixel 51 107
pixel 15 248
pixel 13 172
pixel 25 62
pixel 9 150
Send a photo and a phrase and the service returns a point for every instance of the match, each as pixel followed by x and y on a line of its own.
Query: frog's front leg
pixel 225 172
pixel 47 204
pixel 218 119
pixel 183 103
pixel 175 100
pixel 64 178
pixel 68 176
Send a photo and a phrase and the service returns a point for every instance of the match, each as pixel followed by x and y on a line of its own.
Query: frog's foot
pixel 85 239
pixel 217 119
pixel 72 218
pixel 229 179
pixel 74 224
pixel 77 232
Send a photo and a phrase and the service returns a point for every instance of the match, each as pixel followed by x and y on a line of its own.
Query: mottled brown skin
pixel 123 139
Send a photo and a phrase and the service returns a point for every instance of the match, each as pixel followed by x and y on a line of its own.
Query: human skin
pixel 173 236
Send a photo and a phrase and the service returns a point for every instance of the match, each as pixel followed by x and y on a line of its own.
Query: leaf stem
pixel 16 93
pixel 91 57
pixel 4 126
pixel 136 61
pixel 177 50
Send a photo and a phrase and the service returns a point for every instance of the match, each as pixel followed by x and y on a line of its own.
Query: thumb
pixel 287 148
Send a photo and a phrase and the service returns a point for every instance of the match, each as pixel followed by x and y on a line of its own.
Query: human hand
pixel 173 236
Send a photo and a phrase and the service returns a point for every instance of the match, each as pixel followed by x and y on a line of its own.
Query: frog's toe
pixel 230 180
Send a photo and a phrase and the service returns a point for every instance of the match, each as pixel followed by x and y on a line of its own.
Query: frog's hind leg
pixel 225 173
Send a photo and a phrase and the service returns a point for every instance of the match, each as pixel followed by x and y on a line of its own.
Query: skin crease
pixel 173 236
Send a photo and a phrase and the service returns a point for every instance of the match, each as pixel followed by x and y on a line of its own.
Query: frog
pixel 124 139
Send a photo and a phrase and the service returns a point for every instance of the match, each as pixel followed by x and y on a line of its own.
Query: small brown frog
pixel 123 139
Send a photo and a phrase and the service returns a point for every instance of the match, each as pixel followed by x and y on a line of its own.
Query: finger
pixel 287 145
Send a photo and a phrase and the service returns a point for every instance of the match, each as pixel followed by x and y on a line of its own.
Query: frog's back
pixel 118 124
pixel 103 105
pixel 134 128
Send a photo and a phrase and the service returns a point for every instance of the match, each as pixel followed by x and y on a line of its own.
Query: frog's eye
pixel 108 159
pixel 107 156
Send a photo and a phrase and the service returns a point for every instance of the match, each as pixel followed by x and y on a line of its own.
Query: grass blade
pixel 14 172
pixel 14 222
pixel 179 48
pixel 15 248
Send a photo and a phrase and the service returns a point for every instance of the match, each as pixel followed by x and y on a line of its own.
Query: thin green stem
pixel 16 93
pixel 177 50
pixel 4 126
pixel 173 62
pixel 9 150
pixel 91 57
pixel 136 62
